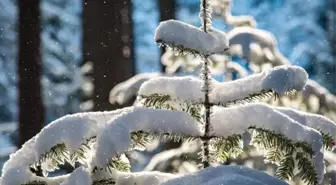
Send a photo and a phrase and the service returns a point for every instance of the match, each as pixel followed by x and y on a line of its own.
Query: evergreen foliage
pixel 289 155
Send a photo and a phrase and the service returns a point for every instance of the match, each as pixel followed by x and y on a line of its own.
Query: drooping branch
pixel 280 80
pixel 56 144
pixel 246 36
pixel 320 123
pixel 277 133
pixel 145 120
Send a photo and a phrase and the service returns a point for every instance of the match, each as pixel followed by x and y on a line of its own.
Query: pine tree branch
pixel 284 151
pixel 158 101
pixel 59 154
pixel 225 148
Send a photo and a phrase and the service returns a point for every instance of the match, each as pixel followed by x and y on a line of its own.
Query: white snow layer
pixel 226 175
pixel 315 121
pixel 176 33
pixel 280 79
pixel 116 136
pixel 285 78
pixel 186 88
pixel 78 177
pixel 143 178
pixel 71 130
pixel 123 92
pixel 236 120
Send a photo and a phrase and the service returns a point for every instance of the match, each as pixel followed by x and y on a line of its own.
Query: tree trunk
pixel 31 111
pixel 167 11
pixel 108 38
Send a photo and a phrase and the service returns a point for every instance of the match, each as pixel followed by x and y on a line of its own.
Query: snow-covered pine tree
pixel 183 108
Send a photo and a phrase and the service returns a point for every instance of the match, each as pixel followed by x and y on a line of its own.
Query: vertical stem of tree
pixel 206 22
pixel 206 138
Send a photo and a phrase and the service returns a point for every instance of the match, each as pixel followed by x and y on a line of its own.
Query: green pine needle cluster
pixel 225 148
pixel 328 141
pixel 59 155
pixel 250 99
pixel 116 163
pixel 104 182
pixel 283 151
pixel 181 50
pixel 159 101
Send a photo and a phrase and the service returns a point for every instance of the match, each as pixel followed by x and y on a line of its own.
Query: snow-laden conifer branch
pixel 274 131
pixel 65 139
pixel 321 123
pixel 165 102
pixel 267 43
pixel 123 92
pixel 279 81
pixel 146 120
pixel 226 175
pixel 222 9
pixel 186 38
pixel 326 99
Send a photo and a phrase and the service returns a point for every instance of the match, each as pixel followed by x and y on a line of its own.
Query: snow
pixel 123 92
pixel 186 88
pixel 315 121
pixel 265 41
pixel 246 35
pixel 280 79
pixel 143 178
pixel 226 175
pixel 15 176
pixel 176 33
pixel 236 120
pixel 140 119
pixel 285 78
pixel 78 177
pixel 72 130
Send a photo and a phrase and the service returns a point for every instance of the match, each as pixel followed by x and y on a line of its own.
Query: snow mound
pixel 123 92
pixel 285 78
pixel 226 175
pixel 186 88
pixel 176 33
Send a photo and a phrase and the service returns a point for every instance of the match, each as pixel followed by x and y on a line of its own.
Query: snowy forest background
pixel 305 30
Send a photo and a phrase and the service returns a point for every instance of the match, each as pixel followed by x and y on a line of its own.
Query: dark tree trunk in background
pixel 31 112
pixel 167 11
pixel 108 38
